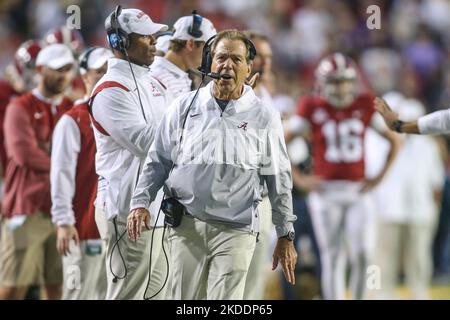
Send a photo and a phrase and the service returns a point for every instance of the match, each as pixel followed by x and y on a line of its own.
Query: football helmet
pixel 70 37
pixel 336 77
pixel 21 72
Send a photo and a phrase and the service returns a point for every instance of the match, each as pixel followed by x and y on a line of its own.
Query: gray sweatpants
pixel 209 260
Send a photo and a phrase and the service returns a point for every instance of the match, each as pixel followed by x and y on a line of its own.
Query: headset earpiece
pixel 252 50
pixel 118 39
pixel 194 30
pixel 205 67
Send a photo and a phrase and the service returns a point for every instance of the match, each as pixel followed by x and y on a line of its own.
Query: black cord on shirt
pixel 150 260
pixel 137 88
pixel 116 244
pixel 159 211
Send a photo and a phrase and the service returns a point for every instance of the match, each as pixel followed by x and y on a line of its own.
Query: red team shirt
pixel 28 127
pixel 86 178
pixel 338 136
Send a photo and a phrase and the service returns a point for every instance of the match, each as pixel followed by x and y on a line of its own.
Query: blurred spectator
pixel 381 66
pixel 311 26
pixel 441 245
pixel 28 246
pixel 406 227
pixel 20 77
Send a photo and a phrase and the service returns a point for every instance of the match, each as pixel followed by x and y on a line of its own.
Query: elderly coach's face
pixel 230 60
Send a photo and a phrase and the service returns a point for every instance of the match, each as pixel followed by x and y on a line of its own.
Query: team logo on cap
pixel 141 14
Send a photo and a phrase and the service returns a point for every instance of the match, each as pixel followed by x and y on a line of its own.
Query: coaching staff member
pixel 126 108
pixel 232 143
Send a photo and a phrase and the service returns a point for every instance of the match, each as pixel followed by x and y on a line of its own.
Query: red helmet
pixel 22 71
pixel 26 54
pixel 336 77
pixel 70 37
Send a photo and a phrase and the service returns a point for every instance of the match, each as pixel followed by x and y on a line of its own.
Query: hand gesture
pixel 287 256
pixel 136 221
pixel 389 116
pixel 64 234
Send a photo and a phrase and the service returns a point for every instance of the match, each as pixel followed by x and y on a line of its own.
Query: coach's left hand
pixel 136 221
pixel 287 256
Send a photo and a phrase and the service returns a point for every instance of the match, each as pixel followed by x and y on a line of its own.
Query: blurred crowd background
pixel 413 41
pixel 410 55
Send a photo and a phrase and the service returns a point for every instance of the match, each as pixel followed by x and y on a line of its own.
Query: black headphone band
pixel 121 39
pixel 85 57
pixel 115 19
pixel 194 30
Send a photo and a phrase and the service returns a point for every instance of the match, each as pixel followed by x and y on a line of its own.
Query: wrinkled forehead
pixel 230 47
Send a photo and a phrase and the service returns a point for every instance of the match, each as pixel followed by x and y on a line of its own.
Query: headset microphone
pixel 214 75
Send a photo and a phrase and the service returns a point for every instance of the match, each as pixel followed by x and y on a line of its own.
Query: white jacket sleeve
pixel 116 111
pixel 159 160
pixel 65 149
pixel 277 174
pixel 435 123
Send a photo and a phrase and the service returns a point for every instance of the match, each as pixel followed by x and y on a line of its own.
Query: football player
pixel 336 117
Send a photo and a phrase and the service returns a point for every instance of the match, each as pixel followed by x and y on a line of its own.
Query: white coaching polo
pixel 123 136
pixel 223 162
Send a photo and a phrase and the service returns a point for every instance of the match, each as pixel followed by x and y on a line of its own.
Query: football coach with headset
pixel 126 107
pixel 212 153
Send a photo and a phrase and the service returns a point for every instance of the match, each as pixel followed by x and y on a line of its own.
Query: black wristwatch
pixel 398 126
pixel 289 236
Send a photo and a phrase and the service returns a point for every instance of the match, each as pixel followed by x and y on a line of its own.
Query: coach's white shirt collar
pixel 242 104
pixel 124 66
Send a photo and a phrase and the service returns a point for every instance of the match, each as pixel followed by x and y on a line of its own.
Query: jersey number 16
pixel 344 141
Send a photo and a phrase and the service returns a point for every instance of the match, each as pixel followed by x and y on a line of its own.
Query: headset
pixel 194 30
pixel 205 67
pixel 84 58
pixel 118 39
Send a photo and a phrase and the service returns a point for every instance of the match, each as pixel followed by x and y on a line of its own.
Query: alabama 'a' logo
pixel 243 126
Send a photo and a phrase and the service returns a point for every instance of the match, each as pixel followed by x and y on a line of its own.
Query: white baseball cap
pixel 163 43
pixel 137 21
pixel 55 56
pixel 184 24
pixel 97 57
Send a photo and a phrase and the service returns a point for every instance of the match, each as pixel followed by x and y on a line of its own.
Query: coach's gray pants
pixel 261 264
pixel 209 260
